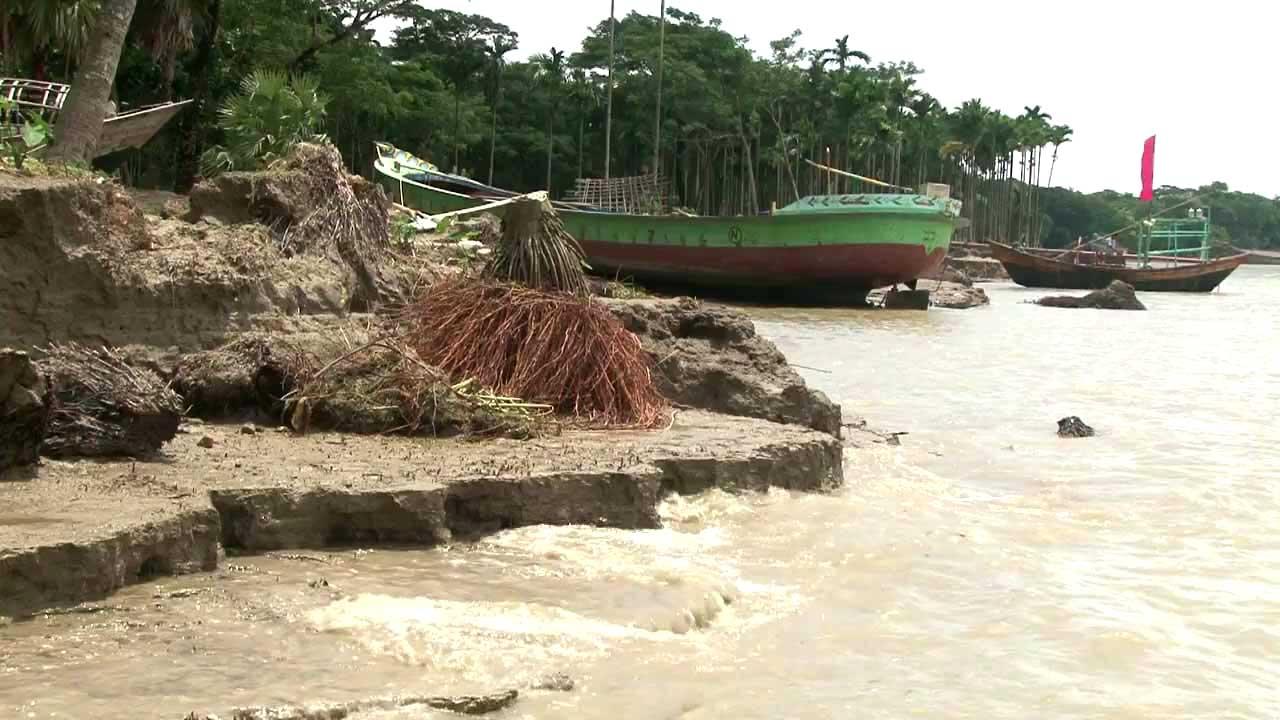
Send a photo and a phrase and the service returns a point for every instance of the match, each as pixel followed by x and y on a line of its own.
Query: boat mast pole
pixel 657 123
pixel 608 114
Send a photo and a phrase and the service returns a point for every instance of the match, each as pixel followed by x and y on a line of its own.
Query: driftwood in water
pixel 462 704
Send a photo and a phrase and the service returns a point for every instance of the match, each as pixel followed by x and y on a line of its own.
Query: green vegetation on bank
pixel 1244 220
pixel 736 127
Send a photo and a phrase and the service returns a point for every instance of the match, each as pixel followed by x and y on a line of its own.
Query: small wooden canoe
pixel 1089 270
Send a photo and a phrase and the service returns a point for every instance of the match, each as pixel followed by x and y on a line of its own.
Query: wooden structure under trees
pixel 638 194
pixel 130 129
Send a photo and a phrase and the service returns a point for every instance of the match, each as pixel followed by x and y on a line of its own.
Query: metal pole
pixel 608 115
pixel 657 124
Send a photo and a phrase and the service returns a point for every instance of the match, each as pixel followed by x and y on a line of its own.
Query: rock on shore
pixel 710 357
pixel 1116 296
pixel 954 296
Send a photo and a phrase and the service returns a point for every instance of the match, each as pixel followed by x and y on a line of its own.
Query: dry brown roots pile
pixel 563 350
pixel 102 406
pixel 255 371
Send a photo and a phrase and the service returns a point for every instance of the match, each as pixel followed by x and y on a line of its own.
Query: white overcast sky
pixel 1201 76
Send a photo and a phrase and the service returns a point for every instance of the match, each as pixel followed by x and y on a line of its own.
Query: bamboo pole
pixel 872 181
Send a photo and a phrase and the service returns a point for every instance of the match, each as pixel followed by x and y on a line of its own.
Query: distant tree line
pixel 737 128
pixel 1242 220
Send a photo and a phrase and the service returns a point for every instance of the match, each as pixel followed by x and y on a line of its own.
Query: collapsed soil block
pixel 105 407
pixel 24 409
pixel 251 374
pixel 313 208
pixel 709 357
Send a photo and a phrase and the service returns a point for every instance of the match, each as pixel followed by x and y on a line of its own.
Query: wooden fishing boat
pixel 829 249
pixel 1161 263
pixel 1093 270
pixel 132 128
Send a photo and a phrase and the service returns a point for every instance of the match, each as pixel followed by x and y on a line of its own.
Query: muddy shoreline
pixel 85 261
pixel 77 531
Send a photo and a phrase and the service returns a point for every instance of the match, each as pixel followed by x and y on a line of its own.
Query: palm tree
pixel 497 50
pixel 657 122
pixel 167 29
pixel 1059 135
pixel 841 54
pixel 970 125
pixel 190 123
pixel 1033 132
pixel 32 30
pixel 80 121
pixel 584 94
pixel 551 70
pixel 608 113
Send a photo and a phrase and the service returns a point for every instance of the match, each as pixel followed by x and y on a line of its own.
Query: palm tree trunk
pixel 747 163
pixel 170 69
pixel 80 121
pixel 581 123
pixel 608 114
pixel 493 131
pixel 191 131
pixel 657 123
pixel 457 120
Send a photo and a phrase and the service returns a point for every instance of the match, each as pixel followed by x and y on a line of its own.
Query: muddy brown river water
pixel 985 569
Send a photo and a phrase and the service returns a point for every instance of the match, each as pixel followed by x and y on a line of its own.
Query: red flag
pixel 1148 170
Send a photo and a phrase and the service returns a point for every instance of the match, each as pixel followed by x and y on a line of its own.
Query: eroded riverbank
pixel 80 530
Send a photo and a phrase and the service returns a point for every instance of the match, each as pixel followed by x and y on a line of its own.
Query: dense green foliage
pixel 271 113
pixel 1243 220
pixel 736 133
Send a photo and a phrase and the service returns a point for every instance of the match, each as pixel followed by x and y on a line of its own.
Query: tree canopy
pixel 739 130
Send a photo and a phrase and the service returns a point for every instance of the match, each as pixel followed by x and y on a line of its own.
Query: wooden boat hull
pixel 776 253
pixel 1036 271
pixel 135 129
pixel 829 250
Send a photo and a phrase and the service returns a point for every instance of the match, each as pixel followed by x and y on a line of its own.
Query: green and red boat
pixel 829 249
